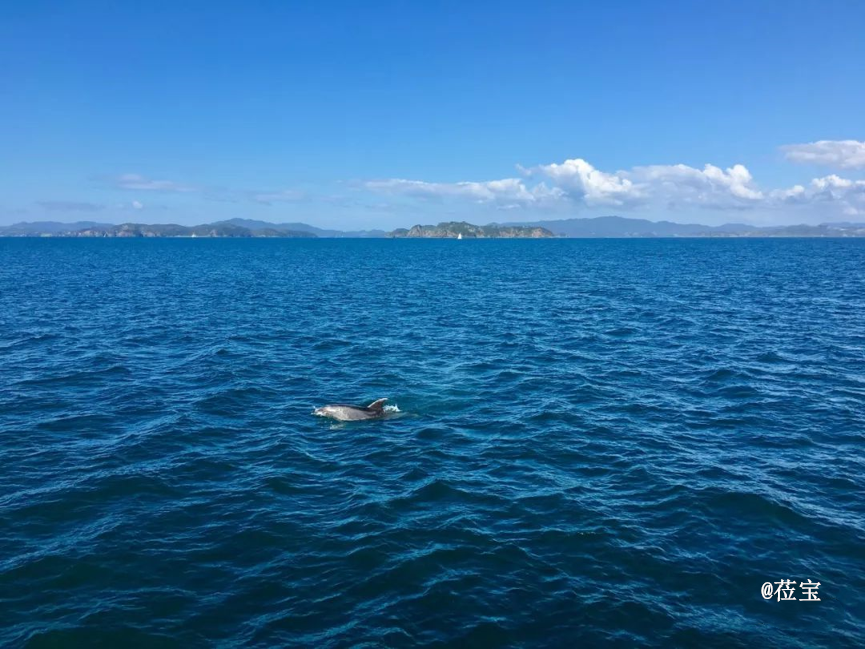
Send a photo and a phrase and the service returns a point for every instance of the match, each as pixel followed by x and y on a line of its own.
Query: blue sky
pixel 373 114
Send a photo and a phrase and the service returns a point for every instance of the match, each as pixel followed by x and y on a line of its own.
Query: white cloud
pixel 134 206
pixel 710 187
pixel 845 154
pixel 833 182
pixel 848 194
pixel 576 183
pixel 593 186
pixel 506 193
pixel 793 195
pixel 142 183
pixel 829 192
pixel 664 184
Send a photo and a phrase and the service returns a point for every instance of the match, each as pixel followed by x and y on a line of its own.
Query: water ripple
pixel 598 443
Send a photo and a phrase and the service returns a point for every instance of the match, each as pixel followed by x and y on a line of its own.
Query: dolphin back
pixel 346 412
pixel 377 405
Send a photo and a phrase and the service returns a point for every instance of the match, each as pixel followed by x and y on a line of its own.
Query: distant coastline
pixel 463 230
pixel 612 227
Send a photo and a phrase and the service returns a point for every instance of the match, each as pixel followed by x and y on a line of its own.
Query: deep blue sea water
pixel 600 443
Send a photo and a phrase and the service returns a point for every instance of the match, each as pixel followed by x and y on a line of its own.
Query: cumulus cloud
pixel 593 186
pixel 576 183
pixel 848 194
pixel 844 154
pixel 504 193
pixel 666 184
pixel 710 186
pixel 143 183
pixel 829 192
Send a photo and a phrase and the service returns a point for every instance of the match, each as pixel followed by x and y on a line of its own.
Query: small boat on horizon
pixel 460 235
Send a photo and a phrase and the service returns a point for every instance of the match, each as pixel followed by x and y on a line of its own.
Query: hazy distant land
pixel 455 229
pixel 599 227
pixel 233 228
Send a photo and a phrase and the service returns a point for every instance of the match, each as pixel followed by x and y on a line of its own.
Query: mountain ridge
pixel 255 225
pixel 626 227
pixel 462 229
pixel 594 227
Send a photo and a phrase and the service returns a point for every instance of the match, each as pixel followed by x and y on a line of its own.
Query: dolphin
pixel 343 412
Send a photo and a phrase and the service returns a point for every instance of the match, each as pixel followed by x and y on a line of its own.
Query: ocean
pixel 597 443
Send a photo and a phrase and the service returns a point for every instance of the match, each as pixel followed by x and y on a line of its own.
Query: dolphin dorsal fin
pixel 378 404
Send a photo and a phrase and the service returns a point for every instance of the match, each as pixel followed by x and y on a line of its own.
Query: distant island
pixel 584 228
pixel 619 227
pixel 232 228
pixel 461 229
pixel 138 230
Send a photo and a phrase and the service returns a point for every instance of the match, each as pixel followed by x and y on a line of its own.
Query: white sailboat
pixel 460 235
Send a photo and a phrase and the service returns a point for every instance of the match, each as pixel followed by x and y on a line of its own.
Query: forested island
pixel 602 227
pixel 461 229
pixel 140 230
